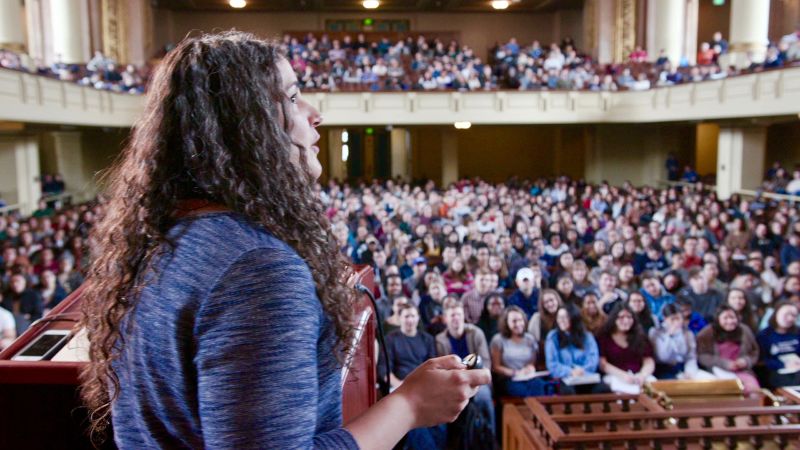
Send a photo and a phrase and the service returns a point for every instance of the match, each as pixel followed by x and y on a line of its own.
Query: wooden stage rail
pixel 631 422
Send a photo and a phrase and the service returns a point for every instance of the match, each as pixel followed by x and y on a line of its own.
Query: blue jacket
pixel 561 360
pixel 789 253
pixel 658 303
pixel 528 304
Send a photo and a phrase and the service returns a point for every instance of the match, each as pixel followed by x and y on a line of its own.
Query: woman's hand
pixel 631 378
pixel 439 389
pixel 577 372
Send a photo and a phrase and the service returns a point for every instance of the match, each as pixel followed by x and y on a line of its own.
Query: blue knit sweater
pixel 228 347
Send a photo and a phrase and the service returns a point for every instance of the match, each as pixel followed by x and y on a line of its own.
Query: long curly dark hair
pixel 215 127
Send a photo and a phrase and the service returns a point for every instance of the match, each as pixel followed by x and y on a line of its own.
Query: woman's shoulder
pixel 708 333
pixel 224 231
pixel 497 340
pixel 214 243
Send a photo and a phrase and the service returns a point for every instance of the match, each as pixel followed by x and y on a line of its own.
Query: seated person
pixel 608 294
pixel 430 306
pixel 26 304
pixel 407 348
pixel 644 317
pixel 703 298
pixel 779 346
pixel 527 294
pixel 692 319
pixel 571 351
pixel 655 294
pixel 392 323
pixel 675 348
pixel 514 355
pixel 593 316
pixel 737 299
pixel 493 308
pixel 463 339
pixel 544 319
pixel 8 328
pixel 726 344
pixel 626 356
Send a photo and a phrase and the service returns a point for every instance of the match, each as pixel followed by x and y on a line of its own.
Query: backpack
pixel 471 431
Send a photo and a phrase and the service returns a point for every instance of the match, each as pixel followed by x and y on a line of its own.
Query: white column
pixel 336 167
pixel 68 159
pixel 667 29
pixel 740 159
pixel 604 23
pixel 401 153
pixel 11 20
pixel 692 17
pixel 68 31
pixel 749 31
pixel 19 172
pixel 449 156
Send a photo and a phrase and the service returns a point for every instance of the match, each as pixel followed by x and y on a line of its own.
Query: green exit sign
pixel 368 22
pixel 718 2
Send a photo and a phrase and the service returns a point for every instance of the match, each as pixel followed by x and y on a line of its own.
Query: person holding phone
pixel 217 306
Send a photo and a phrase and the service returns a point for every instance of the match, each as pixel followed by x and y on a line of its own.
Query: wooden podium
pixel 40 406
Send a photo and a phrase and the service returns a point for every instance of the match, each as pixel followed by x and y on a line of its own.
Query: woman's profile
pixel 216 306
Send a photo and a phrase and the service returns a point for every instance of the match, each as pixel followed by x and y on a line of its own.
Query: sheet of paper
pixel 583 379
pixel 531 375
pixel 76 350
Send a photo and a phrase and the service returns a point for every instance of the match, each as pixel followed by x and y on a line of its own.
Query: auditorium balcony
pixel 33 99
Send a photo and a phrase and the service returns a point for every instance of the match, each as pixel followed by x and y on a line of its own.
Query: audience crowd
pixel 100 72
pixel 43 259
pixel 563 287
pixel 433 64
pixel 423 64
pixel 778 179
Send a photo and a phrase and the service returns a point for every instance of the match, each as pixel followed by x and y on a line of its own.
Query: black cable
pixel 384 387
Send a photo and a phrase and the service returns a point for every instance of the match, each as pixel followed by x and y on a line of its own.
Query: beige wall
pixel 478 30
pixel 426 153
pixel 496 153
pixel 636 153
pixel 8 170
pixel 783 144
pixel 706 140
pixel 100 149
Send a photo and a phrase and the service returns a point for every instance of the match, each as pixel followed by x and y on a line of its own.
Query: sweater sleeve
pixel 592 360
pixel 707 354
pixel 256 359
pixel 551 355
pixel 691 357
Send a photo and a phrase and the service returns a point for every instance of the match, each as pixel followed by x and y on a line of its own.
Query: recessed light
pixel 237 3
pixel 371 4
pixel 462 125
pixel 500 4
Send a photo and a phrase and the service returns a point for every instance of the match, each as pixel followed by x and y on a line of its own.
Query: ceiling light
pixel 345 152
pixel 237 3
pixel 462 125
pixel 500 4
pixel 371 4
